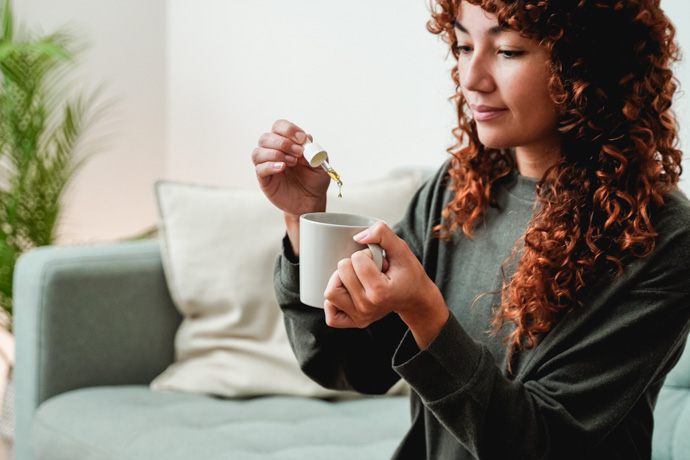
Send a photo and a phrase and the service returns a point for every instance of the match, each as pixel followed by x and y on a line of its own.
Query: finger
pixel 269 168
pixel 337 318
pixel 337 293
pixel 350 281
pixel 263 155
pixel 290 130
pixel 366 270
pixel 333 284
pixel 384 236
pixel 273 141
pixel 337 298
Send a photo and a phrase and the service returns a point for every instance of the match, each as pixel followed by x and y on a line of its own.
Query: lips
pixel 487 112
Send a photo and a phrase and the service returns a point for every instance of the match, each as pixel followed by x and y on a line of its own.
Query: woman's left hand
pixel 358 294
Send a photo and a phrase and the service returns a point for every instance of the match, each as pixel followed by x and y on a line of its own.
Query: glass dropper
pixel 316 156
pixel 334 175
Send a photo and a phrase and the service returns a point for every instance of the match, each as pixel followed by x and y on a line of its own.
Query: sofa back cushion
pixel 219 247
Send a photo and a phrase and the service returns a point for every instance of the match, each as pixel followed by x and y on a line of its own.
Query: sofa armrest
pixel 88 316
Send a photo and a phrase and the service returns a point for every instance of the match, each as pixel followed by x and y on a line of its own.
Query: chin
pixel 495 142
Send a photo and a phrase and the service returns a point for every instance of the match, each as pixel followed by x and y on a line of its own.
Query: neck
pixel 535 162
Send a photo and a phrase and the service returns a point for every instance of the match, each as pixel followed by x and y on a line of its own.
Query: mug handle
pixel 377 253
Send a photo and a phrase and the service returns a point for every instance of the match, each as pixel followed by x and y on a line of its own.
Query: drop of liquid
pixel 336 177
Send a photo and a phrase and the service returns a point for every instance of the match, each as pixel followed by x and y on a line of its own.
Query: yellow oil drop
pixel 336 177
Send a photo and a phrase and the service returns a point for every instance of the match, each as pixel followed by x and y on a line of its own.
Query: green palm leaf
pixel 41 132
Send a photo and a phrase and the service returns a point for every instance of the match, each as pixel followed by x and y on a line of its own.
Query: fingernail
pixel 278 165
pixel 291 160
pixel 360 236
pixel 297 149
pixel 300 136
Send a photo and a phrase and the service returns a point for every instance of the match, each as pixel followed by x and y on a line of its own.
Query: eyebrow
pixel 495 30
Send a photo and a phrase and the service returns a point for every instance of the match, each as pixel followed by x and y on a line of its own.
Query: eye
pixel 510 54
pixel 463 49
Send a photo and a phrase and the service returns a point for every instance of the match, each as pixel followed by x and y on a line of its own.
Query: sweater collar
pixel 521 186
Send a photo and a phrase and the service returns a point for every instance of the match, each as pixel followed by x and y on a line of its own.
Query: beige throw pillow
pixel 219 247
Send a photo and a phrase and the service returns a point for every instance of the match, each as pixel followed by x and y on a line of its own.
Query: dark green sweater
pixel 586 391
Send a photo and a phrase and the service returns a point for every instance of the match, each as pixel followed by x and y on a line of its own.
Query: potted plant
pixel 42 122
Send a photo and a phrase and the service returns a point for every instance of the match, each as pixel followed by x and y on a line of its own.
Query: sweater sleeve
pixel 591 381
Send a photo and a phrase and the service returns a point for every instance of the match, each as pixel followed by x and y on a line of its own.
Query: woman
pixel 536 292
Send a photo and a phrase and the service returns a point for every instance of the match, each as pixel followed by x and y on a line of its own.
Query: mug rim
pixel 311 217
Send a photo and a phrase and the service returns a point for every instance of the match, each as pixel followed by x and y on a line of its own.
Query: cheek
pixel 530 96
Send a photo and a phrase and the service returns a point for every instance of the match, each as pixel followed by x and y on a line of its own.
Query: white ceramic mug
pixel 325 238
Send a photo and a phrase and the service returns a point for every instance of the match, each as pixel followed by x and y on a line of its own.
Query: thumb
pixel 380 234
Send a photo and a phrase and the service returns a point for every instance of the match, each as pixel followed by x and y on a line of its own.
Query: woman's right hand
pixel 285 177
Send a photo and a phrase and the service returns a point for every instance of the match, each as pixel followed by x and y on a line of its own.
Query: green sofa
pixel 94 325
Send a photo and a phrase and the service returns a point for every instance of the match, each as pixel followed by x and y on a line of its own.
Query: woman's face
pixel 504 79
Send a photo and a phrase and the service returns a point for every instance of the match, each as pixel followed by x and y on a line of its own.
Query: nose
pixel 477 76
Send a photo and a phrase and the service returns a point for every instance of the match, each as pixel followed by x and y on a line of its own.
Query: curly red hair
pixel 610 75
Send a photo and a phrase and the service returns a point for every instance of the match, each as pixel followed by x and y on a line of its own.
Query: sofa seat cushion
pixel 671 422
pixel 133 422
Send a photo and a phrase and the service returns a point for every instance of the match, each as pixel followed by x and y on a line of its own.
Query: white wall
pixel 679 12
pixel 365 78
pixel 112 196
pixel 199 81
